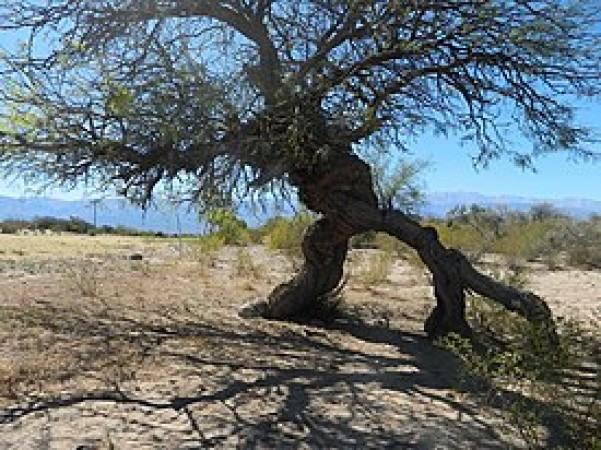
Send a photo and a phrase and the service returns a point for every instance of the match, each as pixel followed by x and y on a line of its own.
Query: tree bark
pixel 324 249
pixel 345 198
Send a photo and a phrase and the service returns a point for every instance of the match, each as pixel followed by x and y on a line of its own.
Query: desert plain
pixel 111 342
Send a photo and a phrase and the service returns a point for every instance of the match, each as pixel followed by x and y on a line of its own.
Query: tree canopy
pixel 230 97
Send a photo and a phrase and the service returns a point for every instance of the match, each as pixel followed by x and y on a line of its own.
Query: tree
pixel 224 99
pixel 396 183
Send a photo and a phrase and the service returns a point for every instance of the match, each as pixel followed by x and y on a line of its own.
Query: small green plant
pixel 210 243
pixel 286 235
pixel 224 223
pixel 532 373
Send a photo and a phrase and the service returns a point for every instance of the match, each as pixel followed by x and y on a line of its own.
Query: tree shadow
pixel 255 384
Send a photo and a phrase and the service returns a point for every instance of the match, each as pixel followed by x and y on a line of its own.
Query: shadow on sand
pixel 255 384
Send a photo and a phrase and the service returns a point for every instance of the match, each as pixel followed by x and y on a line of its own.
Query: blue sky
pixel 556 176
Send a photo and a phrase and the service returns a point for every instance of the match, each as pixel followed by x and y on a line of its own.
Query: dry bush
pixel 85 278
pixel 532 377
pixel 245 266
pixel 374 268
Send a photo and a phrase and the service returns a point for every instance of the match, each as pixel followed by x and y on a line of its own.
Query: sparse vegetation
pixel 536 381
pixel 374 268
pixel 72 225
pixel 542 234
pixel 84 278
pixel 115 330
pixel 221 101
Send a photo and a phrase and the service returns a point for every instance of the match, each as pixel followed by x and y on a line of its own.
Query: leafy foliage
pixel 225 224
pixel 225 99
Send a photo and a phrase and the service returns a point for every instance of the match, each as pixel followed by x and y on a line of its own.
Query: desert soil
pixel 134 343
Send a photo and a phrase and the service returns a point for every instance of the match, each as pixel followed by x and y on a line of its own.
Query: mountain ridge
pixel 119 212
pixel 438 203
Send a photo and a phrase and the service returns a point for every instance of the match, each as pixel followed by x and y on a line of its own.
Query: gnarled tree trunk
pixel 324 249
pixel 344 196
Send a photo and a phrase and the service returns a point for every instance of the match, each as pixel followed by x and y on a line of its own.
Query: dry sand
pixel 99 351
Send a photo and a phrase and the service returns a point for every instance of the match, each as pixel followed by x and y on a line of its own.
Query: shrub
pixel 463 237
pixel 584 247
pixel 535 380
pixel 224 223
pixel 542 234
pixel 523 242
pixel 286 234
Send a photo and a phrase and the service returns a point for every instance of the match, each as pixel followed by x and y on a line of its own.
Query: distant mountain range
pixel 118 212
pixel 439 203
pixel 115 212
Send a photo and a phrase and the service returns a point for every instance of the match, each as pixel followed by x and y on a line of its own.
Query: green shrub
pixel 224 223
pixel 535 380
pixel 523 242
pixel 282 233
pixel 584 247
pixel 578 241
pixel 209 243
pixel 543 234
pixel 461 237
pixel 286 234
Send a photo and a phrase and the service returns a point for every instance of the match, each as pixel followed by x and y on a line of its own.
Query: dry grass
pixel 99 349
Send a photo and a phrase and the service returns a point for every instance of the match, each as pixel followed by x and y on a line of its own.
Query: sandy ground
pixel 100 350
